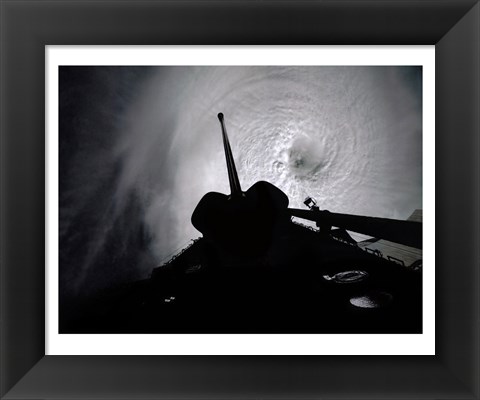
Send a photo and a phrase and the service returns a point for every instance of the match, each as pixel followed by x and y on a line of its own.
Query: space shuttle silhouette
pixel 242 223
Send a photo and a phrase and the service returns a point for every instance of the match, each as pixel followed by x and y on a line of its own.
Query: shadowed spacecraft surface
pixel 257 269
pixel 242 223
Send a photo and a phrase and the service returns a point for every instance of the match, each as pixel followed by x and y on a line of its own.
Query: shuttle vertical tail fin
pixel 232 171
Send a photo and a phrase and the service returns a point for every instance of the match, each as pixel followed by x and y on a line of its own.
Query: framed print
pixel 292 288
pixel 30 28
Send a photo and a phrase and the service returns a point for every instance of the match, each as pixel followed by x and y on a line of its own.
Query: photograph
pixel 240 199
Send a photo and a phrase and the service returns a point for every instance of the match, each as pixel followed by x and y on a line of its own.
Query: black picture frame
pixel 453 26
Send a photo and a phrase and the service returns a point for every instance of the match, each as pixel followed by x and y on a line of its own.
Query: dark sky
pixel 139 146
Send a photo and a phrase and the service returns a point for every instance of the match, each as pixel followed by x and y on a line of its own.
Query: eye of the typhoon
pixel 305 158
